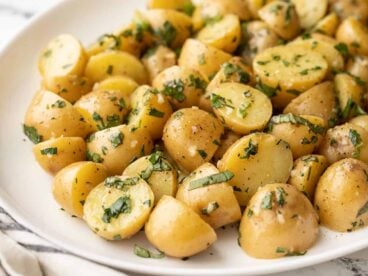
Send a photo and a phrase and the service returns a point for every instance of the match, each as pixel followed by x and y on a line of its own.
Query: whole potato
pixel 198 131
pixel 279 221
pixel 341 197
pixel 247 159
pixel 177 230
pixel 206 191
pixel 343 141
pixel 73 183
pixel 57 153
pixel 117 147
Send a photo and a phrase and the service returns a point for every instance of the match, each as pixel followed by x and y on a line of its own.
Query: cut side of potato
pixel 55 154
pixel 72 185
pixel 242 108
pixel 290 68
pixel 327 25
pixel 205 190
pixel 118 208
pixel 248 157
pixel 224 34
pixel 354 34
pixel 180 232
pixel 310 11
pixel 115 63
pixel 123 84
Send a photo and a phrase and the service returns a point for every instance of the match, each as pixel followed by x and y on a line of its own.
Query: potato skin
pixel 116 147
pixel 306 173
pixel 352 32
pixel 126 224
pixel 248 157
pixel 310 12
pixel 73 183
pixel 343 141
pixel 222 194
pixel 304 137
pixel 52 116
pixel 327 25
pixel 196 129
pixel 227 140
pixel 342 195
pixel 279 221
pixel 358 66
pixel 55 154
pixel 180 232
pixel 357 9
pixel 361 121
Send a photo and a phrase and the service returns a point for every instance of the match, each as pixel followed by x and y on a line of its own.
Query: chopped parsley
pixel 289 253
pixel 210 180
pixel 116 41
pixel 280 196
pixel 197 82
pixel 156 113
pixel 145 253
pixel 49 151
pixel 188 8
pixel 267 201
pixel 122 205
pixel 59 104
pixel 267 90
pixel 202 153
pixel 118 183
pixel 230 69
pixel 94 157
pixel 343 49
pixel 357 142
pixel 157 163
pixel 175 89
pixel 218 101
pixel 32 134
pixel 116 139
pixel 251 149
pixel 362 210
pixel 352 109
pixel 166 34
pixel 297 120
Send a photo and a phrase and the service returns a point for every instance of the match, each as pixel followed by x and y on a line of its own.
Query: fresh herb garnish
pixel 122 205
pixel 158 163
pixel 166 34
pixel 297 120
pixel 267 201
pixel 230 69
pixel 175 89
pixel 362 210
pixel 156 113
pixel 94 157
pixel 202 153
pixel 49 151
pixel 267 90
pixel 118 183
pixel 218 101
pixel 116 139
pixel 357 142
pixel 145 253
pixel 211 207
pixel 343 49
pixel 32 134
pixel 210 180
pixel 197 82
pixel 251 149
pixel 58 104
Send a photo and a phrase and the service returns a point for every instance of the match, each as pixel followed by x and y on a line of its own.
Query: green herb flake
pixel 32 134
pixel 188 8
pixel 94 157
pixel 218 101
pixel 47 53
pixel 197 82
pixel 116 139
pixel 145 253
pixel 202 153
pixel 59 104
pixel 250 150
pixel 174 89
pixel 267 90
pixel 118 183
pixel 362 210
pixel 201 59
pixel 343 49
pixel 357 142
pixel 166 34
pixel 250 213
pixel 110 70
pixel 122 205
pixel 297 120
pixel 230 70
pixel 267 201
pixel 210 180
pixel 49 151
pixel 211 207
pixel 280 196
pixel 156 113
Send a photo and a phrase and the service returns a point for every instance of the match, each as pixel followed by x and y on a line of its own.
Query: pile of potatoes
pixel 199 115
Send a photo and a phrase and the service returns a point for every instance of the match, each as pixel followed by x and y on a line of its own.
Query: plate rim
pixel 274 267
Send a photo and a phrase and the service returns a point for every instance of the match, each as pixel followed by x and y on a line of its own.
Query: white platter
pixel 25 188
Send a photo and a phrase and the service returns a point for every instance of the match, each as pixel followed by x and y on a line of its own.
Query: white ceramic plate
pixel 25 188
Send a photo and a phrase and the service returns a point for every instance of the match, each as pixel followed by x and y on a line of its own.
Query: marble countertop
pixel 14 14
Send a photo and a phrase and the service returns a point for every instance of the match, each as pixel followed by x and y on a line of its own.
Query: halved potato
pixel 177 230
pixel 255 5
pixel 353 33
pixel 57 153
pixel 249 156
pixel 50 116
pixel 115 63
pixel 224 34
pixel 327 25
pixel 205 191
pixel 117 147
pixel 118 208
pixel 344 9
pixel 123 84
pixel 150 111
pixel 242 108
pixel 73 183
pixel 225 143
pixel 158 172
pixel 310 11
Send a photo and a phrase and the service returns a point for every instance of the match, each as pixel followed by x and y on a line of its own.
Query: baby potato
pixel 257 38
pixel 225 143
pixel 118 208
pixel 158 59
pixel 354 34
pixel 202 58
pixel 122 84
pixel 249 156
pixel 341 197
pixel 205 191
pixel 224 34
pixel 240 107
pixel 115 63
pixel 175 229
pixel 345 8
pixel 279 221
pixel 320 100
pixel 73 183
pixel 333 57
pixel 343 141
pixel 117 147
pixel 50 116
pixel 327 25
pixel 198 130
pixel 171 28
pixel 150 111
pixel 306 172
pixel 290 68
pixel 361 121
pixel 310 11
pixel 173 5
pixel 282 18
pixel 103 109
pixel 70 87
pixel 182 86
pixel 57 153
pixel 350 94
pixel 303 133
pixel 358 67
pixel 255 5
pixel 158 172
pixel 63 56
pixel 235 70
